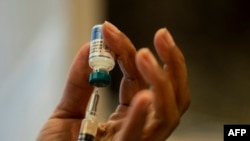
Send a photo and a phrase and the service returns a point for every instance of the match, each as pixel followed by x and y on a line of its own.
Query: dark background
pixel 214 37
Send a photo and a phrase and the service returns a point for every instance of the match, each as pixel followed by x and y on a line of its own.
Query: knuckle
pixel 185 104
pixel 169 122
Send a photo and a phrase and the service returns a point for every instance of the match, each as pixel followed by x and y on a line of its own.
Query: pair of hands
pixel 152 98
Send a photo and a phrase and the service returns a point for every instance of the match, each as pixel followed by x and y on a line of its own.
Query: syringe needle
pixel 89 123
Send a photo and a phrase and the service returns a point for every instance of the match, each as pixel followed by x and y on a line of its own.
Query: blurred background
pixel 38 41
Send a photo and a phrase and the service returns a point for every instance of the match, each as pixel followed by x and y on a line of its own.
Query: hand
pixel 152 98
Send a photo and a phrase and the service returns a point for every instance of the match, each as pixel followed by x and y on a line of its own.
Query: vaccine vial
pixel 101 59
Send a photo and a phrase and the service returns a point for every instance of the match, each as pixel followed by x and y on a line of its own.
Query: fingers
pixel 125 52
pixel 77 90
pixel 171 97
pixel 135 122
pixel 166 113
pixel 163 98
pixel 176 68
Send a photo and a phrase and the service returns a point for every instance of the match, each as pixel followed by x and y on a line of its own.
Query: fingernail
pixel 111 27
pixel 167 37
pixel 148 58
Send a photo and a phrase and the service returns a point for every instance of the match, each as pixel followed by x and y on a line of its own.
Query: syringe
pixel 89 123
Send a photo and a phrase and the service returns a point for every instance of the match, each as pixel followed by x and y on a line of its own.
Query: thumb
pixel 136 118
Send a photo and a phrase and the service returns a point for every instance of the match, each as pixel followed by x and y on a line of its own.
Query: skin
pixel 152 98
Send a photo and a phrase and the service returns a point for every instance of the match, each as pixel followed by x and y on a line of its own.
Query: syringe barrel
pixel 88 129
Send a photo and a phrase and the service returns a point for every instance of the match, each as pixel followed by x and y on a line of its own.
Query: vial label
pixel 99 49
pixel 100 56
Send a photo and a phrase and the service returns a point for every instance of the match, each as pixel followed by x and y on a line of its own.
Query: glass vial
pixel 101 59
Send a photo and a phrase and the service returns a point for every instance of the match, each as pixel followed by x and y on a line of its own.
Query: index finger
pixel 125 53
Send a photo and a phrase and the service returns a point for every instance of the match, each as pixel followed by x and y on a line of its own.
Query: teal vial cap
pixel 99 79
